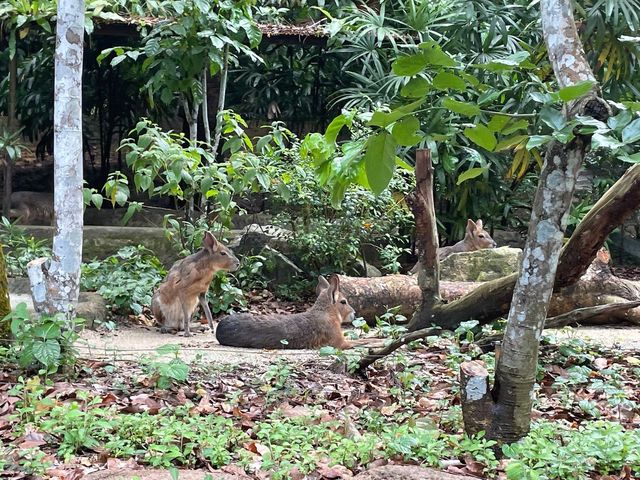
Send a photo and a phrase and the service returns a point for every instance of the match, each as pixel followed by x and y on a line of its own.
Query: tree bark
pixel 12 123
pixel 224 74
pixel 61 274
pixel 512 394
pixel 205 109
pixel 422 205
pixel 5 302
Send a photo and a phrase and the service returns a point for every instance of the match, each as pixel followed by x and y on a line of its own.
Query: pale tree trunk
pixel 205 109
pixel 505 412
pixel 224 74
pixel 55 282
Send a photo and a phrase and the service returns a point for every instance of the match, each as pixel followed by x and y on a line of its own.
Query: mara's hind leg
pixel 186 317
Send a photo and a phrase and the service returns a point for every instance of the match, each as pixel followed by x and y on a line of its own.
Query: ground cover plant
pixel 286 420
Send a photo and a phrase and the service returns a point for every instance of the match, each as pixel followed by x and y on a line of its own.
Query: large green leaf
pixel 631 133
pixel 469 174
pixel 416 88
pixel 446 81
pixel 384 119
pixel 333 130
pixel 46 352
pixel 409 65
pixel 575 91
pixel 552 117
pixel 463 108
pixel 481 135
pixel 434 55
pixel 497 123
pixel 379 160
pixel 405 130
pixel 599 140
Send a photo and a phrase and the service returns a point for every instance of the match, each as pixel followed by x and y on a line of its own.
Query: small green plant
pixel 164 373
pixel 126 279
pixel 45 344
pixel 20 248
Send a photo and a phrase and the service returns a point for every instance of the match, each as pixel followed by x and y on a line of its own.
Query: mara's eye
pixel 223 253
pixel 344 302
pixel 481 235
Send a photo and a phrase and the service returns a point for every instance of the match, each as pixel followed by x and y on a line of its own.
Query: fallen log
pixel 371 297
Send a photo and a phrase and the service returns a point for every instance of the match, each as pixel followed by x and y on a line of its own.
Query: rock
pixel 243 221
pixel 91 306
pixel 367 270
pixel 279 267
pixel 408 472
pixel 253 238
pixel 150 474
pixel 481 265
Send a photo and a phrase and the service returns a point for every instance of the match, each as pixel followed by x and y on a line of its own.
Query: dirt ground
pixel 130 342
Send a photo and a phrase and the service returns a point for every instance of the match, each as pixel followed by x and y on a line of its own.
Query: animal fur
pixel 319 326
pixel 187 283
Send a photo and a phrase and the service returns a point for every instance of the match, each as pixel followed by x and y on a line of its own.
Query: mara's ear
pixel 470 225
pixel 334 287
pixel 210 242
pixel 322 285
pixel 479 224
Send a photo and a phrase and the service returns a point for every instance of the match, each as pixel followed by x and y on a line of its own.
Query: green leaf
pixel 415 88
pixel 133 208
pixel 509 142
pixel 620 121
pixel 552 117
pixel 175 369
pixel 97 199
pixel 482 136
pixel 634 158
pixel 409 65
pixel 404 131
pixel 379 161
pixel 469 174
pixel 576 91
pixel 384 119
pixel 463 108
pixel 538 140
pixel 506 63
pixel 515 126
pixel 144 141
pixel 497 123
pixel 446 80
pixel 47 331
pixel 333 130
pixel 434 55
pixel 599 140
pixel 46 352
pixel 631 133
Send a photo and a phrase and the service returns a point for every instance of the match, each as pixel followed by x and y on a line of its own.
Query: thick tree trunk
pixel 57 281
pixel 421 203
pixel 5 303
pixel 512 393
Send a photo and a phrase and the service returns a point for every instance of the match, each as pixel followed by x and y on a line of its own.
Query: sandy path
pixel 133 342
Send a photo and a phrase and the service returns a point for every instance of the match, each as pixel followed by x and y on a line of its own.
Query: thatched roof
pixel 309 33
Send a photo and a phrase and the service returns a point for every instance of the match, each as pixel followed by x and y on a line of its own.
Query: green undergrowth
pixel 183 436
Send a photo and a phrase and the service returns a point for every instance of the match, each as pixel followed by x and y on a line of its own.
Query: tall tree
pixel 55 282
pixel 505 412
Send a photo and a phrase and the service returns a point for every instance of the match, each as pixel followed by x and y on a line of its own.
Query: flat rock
pixel 144 474
pixel 408 472
pixel 481 265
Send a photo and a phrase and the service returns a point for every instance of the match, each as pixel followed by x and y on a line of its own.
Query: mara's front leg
pixel 205 307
